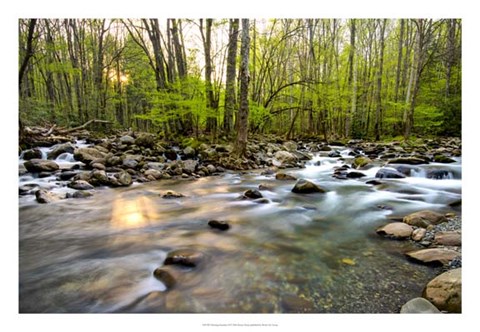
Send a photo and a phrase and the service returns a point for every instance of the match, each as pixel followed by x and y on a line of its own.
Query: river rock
pixel 440 158
pixel 389 173
pixel 184 257
pixel 189 152
pixel 290 146
pixel 306 187
pixel 424 218
pixel 419 305
pixel 396 230
pixel 153 173
pixel 408 161
pixel 219 224
pixel 418 234
pixel 127 140
pixel 252 194
pixel 171 155
pixel 433 255
pixel 87 155
pixel 130 163
pixel 284 176
pixel 285 157
pixel 355 175
pixel 99 178
pixel 80 185
pixel 445 291
pixel 32 154
pixel 438 174
pixel 40 165
pixel 172 194
pixel 189 166
pixel 27 189
pixel 165 277
pixel 448 238
pixel 81 194
pixel 146 140
pixel 360 162
pixel 59 149
pixel 123 179
pixel 44 196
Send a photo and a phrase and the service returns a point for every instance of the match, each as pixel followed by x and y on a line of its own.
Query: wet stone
pixel 165 277
pixel 172 194
pixel 296 304
pixel 252 193
pixel 183 257
pixel 219 224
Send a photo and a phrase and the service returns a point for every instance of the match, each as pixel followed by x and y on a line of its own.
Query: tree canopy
pixel 335 78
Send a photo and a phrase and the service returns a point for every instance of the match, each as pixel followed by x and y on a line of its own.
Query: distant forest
pixel 333 78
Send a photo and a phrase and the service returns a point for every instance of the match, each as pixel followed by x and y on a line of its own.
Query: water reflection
pixel 132 212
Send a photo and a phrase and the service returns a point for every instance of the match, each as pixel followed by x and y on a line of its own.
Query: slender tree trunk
pixel 378 96
pixel 241 141
pixel 28 53
pixel 211 101
pixel 231 77
pixel 352 80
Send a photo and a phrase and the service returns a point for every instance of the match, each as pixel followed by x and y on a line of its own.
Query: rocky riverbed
pixel 409 193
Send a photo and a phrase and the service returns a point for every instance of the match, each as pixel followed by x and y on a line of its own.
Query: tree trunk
pixel 211 101
pixel 28 52
pixel 241 141
pixel 231 76
pixel 352 80
pixel 378 96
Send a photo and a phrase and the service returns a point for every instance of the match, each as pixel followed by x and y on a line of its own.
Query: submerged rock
pixel 445 291
pixel 284 176
pixel 219 224
pixel 306 187
pixel 355 175
pixel 184 257
pixel 396 230
pixel 41 165
pixel 419 305
pixel 424 218
pixel 172 194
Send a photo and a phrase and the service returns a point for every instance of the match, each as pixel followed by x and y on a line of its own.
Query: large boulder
pixel 445 291
pixel 424 218
pixel 189 152
pixel 360 162
pixel 389 173
pixel 285 157
pixel 87 155
pixel 306 187
pixel 59 149
pixel 419 305
pixel 433 255
pixel 41 165
pixel 189 166
pixel 290 146
pixel 123 179
pixel 396 230
pixel 127 140
pixel 99 178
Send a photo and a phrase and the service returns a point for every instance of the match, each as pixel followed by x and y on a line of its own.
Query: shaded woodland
pixel 332 78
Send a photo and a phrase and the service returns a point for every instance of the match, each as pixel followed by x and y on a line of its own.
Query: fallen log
pixel 66 131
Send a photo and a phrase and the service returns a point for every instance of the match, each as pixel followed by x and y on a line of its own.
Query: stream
pixel 318 252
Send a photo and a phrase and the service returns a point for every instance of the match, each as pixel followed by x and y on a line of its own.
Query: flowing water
pixel 297 253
